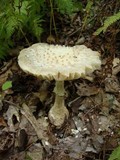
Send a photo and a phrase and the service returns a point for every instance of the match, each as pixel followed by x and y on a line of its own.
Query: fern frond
pixel 35 27
pixel 34 20
pixel 23 7
pixel 11 26
pixel 65 6
pixel 87 14
pixel 9 22
pixel 35 6
pixel 115 155
pixel 108 22
pixel 17 16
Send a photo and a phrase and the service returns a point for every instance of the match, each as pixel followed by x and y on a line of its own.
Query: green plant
pixel 22 19
pixel 19 18
pixel 108 22
pixel 68 7
pixel 87 13
pixel 63 7
pixel 27 157
pixel 6 85
pixel 115 155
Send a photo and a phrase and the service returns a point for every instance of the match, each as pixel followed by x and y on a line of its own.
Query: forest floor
pixel 93 128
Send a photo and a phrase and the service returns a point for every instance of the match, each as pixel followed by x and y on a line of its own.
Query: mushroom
pixel 59 63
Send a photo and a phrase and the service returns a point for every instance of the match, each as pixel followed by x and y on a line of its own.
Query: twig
pixel 52 18
pixel 25 37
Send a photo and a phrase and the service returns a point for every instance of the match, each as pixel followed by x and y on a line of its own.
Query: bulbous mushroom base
pixel 58 113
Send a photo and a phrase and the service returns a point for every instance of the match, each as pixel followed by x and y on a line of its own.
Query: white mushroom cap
pixel 58 62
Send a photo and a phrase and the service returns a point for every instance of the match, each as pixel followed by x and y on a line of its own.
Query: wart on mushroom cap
pixel 59 63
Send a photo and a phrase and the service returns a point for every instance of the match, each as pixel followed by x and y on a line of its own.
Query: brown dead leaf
pixel 27 136
pixel 6 141
pixel 112 84
pixel 116 66
pixel 18 156
pixel 38 126
pixel 12 111
pixel 36 152
pixel 2 122
pixel 86 90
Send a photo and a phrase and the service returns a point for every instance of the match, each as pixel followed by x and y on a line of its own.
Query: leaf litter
pixel 94 104
pixel 94 117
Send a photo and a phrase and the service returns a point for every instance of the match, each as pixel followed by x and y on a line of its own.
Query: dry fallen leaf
pixel 112 84
pixel 36 125
pixel 40 126
pixel 36 152
pixel 86 90
pixel 6 141
pixel 2 122
pixel 12 111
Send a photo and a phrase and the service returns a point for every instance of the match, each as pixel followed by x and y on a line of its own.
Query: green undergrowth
pixel 22 21
pixel 115 155
pixel 18 19
pixel 107 23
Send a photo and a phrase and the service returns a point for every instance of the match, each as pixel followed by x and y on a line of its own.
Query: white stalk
pixel 58 113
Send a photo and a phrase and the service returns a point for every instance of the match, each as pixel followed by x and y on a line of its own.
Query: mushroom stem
pixel 59 94
pixel 58 113
pixel 59 88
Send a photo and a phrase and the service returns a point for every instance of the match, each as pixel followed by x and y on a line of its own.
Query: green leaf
pixel 7 85
pixel 27 157
pixel 88 6
pixel 115 155
pixel 22 9
pixel 108 22
pixel 65 6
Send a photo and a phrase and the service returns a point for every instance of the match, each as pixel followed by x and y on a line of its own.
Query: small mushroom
pixel 59 63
